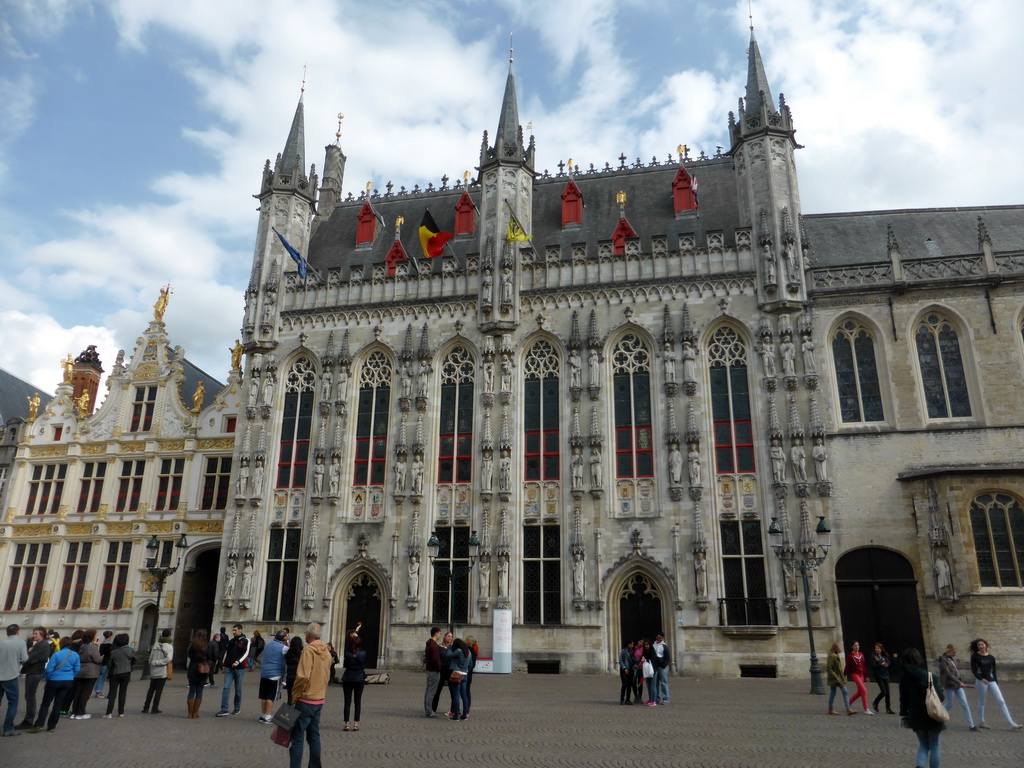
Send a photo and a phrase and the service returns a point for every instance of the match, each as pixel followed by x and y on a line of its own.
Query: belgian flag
pixel 431 237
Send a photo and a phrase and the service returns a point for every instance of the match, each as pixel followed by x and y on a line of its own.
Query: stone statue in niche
pixel 242 482
pixel 342 384
pixel 487 472
pixel 790 576
pixel 670 363
pixel 505 472
pixel 943 577
pixel 484 574
pixel 318 476
pixel 424 379
pixel 689 362
pixel 503 576
pixel 767 354
pixel 693 464
pixel 335 480
pixel 576 466
pixel 788 350
pixel 595 468
pixel 229 578
pixel 577 575
pixel 797 456
pixel 247 580
pixel 309 588
pixel 506 287
pixel 268 389
pixel 820 456
pixel 486 288
pixel 406 381
pixel 488 371
pixel 414 575
pixel 700 572
pixel 807 350
pixel 506 374
pixel 675 465
pixel 400 476
pixel 326 386
pixel 257 477
pixel 417 475
pixel 778 457
pixel 575 369
pixel 594 361
pixel 254 392
pixel 769 264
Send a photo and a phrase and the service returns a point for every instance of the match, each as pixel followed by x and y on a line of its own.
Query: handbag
pixel 455 677
pixel 203 667
pixel 648 668
pixel 286 716
pixel 281 736
pixel 934 707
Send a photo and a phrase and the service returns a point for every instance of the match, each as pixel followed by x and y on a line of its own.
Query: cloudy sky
pixel 135 131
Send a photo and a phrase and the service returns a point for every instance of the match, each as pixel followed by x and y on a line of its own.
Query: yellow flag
pixel 516 233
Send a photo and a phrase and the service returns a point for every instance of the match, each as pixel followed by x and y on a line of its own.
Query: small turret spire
pixel 293 159
pixel 758 90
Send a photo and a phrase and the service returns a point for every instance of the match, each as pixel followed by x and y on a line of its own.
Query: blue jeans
pixel 235 674
pixel 307 725
pixel 101 679
pixel 661 683
pixel 928 741
pixel 832 696
pixel 459 695
pixel 983 693
pixel 958 694
pixel 9 688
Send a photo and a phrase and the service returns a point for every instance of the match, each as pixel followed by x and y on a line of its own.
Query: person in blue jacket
pixel 626 673
pixel 60 676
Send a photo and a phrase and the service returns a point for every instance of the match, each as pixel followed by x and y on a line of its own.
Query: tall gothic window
pixel 27 575
pixel 540 417
pixel 93 474
pixel 296 425
pixel 730 402
pixel 853 351
pixel 455 453
pixel 168 490
pixel 282 574
pixel 542 575
pixel 942 369
pixel 46 488
pixel 998 524
pixel 115 575
pixel 746 591
pixel 76 568
pixel 451 576
pixel 631 363
pixel 372 420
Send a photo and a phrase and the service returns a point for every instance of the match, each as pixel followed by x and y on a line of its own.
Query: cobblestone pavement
pixel 523 720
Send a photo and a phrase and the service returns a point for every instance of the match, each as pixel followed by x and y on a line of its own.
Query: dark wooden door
pixel 639 610
pixel 363 606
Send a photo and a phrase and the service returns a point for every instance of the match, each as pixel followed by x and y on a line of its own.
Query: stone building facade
pixel 623 384
pixel 92 486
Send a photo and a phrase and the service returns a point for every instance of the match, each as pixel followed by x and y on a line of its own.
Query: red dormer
pixel 395 255
pixel 684 192
pixel 572 204
pixel 622 233
pixel 367 229
pixel 465 216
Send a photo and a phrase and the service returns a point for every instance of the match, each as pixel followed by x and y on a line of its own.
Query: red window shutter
pixel 622 233
pixel 465 216
pixel 682 192
pixel 367 229
pixel 572 204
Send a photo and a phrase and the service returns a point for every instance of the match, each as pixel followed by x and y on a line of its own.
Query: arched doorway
pixel 639 609
pixel 195 607
pixel 363 604
pixel 878 600
pixel 149 618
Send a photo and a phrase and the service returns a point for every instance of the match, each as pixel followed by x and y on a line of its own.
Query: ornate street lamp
pixel 434 547
pixel 805 558
pixel 160 575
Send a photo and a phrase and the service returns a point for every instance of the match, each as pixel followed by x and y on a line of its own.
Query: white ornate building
pixel 622 406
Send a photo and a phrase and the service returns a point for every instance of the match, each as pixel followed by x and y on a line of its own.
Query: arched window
pixel 730 402
pixel 997 520
pixel 942 369
pixel 631 362
pixel 372 420
pixel 296 425
pixel 455 453
pixel 540 413
pixel 853 351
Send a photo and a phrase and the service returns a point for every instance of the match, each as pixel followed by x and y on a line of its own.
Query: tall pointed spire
pixel 508 141
pixel 758 89
pixel 293 159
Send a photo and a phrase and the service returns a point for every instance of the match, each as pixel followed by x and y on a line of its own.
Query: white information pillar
pixel 502 663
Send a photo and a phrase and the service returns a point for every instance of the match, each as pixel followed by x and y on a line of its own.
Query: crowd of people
pixel 915 683
pixel 642 661
pixel 449 660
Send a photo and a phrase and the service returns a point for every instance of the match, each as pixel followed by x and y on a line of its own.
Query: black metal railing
pixel 747 611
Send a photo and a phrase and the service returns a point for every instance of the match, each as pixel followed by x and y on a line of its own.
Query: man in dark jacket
pixel 235 655
pixel 432 663
pixel 215 647
pixel 38 654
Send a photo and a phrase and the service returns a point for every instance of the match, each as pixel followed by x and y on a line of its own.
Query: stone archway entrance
pixel 878 601
pixel 640 609
pixel 195 607
pixel 364 604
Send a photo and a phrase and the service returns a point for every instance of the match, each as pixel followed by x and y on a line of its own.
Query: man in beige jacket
pixel 308 695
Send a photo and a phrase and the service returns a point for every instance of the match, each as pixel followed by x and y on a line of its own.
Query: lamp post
pixel 807 557
pixel 160 574
pixel 434 547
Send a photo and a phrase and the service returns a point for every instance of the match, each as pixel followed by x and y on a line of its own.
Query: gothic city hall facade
pixel 616 403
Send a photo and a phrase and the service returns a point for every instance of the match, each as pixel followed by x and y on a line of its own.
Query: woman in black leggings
pixel 354 679
pixel 880 667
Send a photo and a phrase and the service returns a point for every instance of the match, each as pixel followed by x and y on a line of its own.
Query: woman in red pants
pixel 857 671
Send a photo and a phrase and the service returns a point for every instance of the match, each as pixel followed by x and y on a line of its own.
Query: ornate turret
pixel 334 176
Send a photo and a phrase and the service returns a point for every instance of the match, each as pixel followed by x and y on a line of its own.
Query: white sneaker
pixel 108 717
pixel 84 717
pixel 868 712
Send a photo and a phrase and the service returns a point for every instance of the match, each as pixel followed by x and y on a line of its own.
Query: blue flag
pixel 296 256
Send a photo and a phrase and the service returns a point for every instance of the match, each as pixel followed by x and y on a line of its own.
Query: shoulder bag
pixel 934 707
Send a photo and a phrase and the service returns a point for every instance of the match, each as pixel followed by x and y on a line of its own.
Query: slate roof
pixel 842 239
pixel 13 394
pixel 649 210
pixel 192 376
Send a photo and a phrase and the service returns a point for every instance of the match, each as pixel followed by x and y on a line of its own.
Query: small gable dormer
pixel 395 255
pixel 465 216
pixel 684 192
pixel 572 204
pixel 366 231
pixel 622 233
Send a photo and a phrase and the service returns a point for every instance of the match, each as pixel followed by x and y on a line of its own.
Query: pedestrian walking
pixel 836 679
pixel 85 680
pixel 105 648
pixel 950 682
pixel 236 652
pixel 122 659
pixel 857 670
pixel 13 655
pixel 60 674
pixel 353 679
pixel 160 657
pixel 880 669
pixel 309 693
pixel 291 664
pixel 662 662
pixel 626 673
pixel 458 671
pixel 272 675
pixel 432 665
pixel 474 652
pixel 34 670
pixel 983 667
pixel 199 659
pixel 914 684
